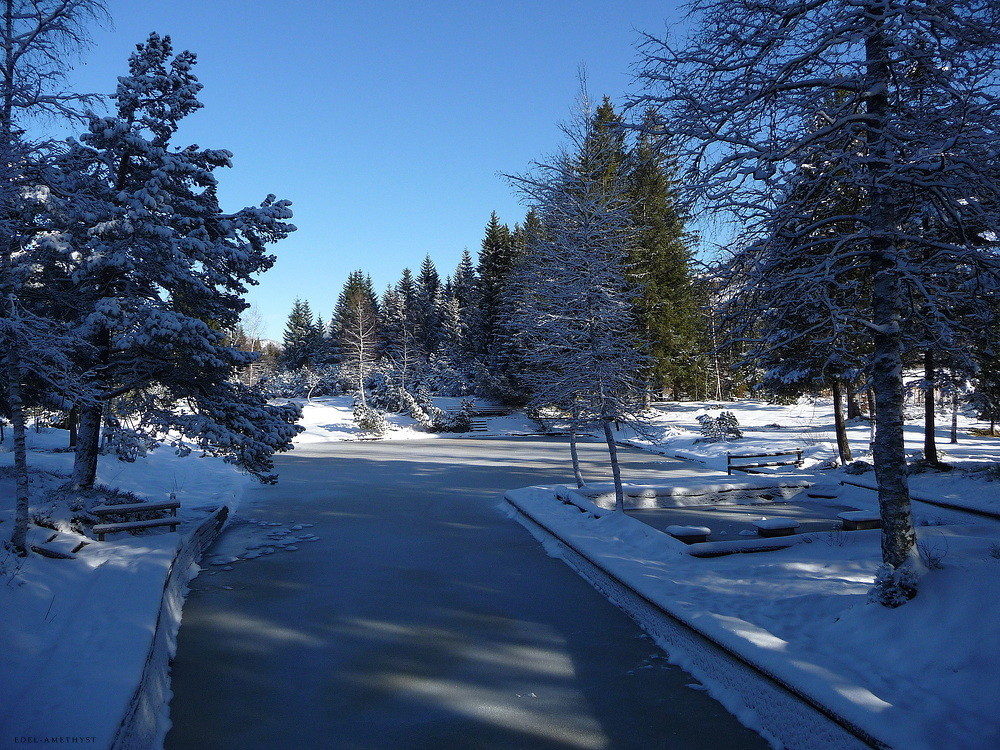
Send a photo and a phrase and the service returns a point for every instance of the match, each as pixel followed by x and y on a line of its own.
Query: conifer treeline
pixel 458 335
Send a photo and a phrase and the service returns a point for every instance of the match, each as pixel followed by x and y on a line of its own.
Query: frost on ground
pixel 923 676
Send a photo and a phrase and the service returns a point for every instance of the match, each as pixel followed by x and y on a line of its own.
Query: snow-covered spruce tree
pixel 732 100
pixel 397 331
pixel 427 309
pixel 464 292
pixel 38 40
pixel 576 302
pixel 355 324
pixel 161 271
pixel 670 303
pixel 301 339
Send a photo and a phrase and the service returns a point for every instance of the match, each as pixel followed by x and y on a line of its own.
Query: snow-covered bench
pixel 750 468
pixel 689 534
pixel 131 510
pixel 772 527
pixel 859 520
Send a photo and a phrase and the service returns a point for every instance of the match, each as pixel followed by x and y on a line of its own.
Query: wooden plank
pixel 51 553
pixel 763 455
pixel 110 528
pixel 126 508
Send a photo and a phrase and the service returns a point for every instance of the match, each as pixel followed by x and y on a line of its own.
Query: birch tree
pixel 576 302
pixel 733 98
pixel 38 41
pixel 355 323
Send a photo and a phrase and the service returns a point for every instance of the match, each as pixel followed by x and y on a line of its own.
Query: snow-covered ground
pixel 925 675
pixel 75 634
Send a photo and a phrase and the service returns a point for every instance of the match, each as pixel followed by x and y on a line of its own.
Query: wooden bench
pixel 749 468
pixel 860 520
pixel 689 534
pixel 772 527
pixel 133 509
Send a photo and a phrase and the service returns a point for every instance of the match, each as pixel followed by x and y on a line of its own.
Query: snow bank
pixel 85 642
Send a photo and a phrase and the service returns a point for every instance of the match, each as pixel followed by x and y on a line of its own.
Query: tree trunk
pixel 361 387
pixel 577 474
pixel 88 446
pixel 870 398
pixel 22 485
pixel 888 450
pixel 954 411
pixel 615 468
pixel 930 439
pixel 74 416
pixel 853 405
pixel 843 445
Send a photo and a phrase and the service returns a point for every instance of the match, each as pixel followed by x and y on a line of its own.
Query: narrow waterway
pixel 423 617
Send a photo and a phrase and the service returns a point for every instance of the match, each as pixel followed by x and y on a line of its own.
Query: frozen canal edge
pixel 146 722
pixel 761 701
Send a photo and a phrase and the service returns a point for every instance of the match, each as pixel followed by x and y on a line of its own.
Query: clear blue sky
pixel 387 124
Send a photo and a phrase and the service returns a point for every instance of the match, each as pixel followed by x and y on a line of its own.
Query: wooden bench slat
pixel 103 510
pixel 772 527
pixel 731 457
pixel 109 528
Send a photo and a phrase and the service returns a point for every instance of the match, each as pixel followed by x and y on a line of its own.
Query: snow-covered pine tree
pixel 38 41
pixel 733 98
pixel 161 270
pixel 576 302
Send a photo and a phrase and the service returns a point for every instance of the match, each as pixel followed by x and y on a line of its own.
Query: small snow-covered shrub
pixel 10 563
pixel 893 586
pixel 933 551
pixel 440 421
pixel 919 464
pixel 414 409
pixel 723 427
pixel 125 443
pixel 383 392
pixel 370 420
pixel 990 473
pixel 462 422
pixel 858 467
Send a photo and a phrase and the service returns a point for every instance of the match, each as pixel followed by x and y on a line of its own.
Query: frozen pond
pixel 389 602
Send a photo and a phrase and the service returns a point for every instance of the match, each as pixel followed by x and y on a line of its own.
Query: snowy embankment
pixel 331 419
pixel 924 676
pixel 86 641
